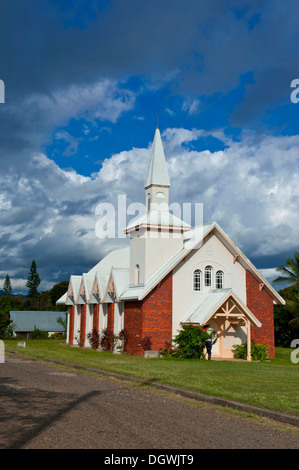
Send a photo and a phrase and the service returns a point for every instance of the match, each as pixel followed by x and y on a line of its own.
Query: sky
pixel 85 81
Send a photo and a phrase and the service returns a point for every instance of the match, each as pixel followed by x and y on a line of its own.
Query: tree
pixel 190 342
pixel 286 317
pixel 7 304
pixel 57 291
pixel 5 323
pixel 7 287
pixel 290 272
pixel 33 280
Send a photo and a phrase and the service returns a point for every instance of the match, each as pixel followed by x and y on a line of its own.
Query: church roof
pixel 157 218
pixel 119 258
pixel 209 302
pixel 157 171
pixel 120 280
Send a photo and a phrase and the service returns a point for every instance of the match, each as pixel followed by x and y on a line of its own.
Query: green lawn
pixel 273 385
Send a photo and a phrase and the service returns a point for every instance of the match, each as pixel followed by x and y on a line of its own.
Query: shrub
pixel 107 340
pixel 169 350
pixel 146 343
pixel 5 325
pixel 39 334
pixel 94 338
pixel 123 338
pixel 190 342
pixel 259 352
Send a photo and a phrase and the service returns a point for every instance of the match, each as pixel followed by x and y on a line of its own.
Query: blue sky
pixel 84 82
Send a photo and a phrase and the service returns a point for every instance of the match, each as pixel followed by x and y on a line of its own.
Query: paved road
pixel 44 407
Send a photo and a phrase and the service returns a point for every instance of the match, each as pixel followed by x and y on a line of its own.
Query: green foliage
pixel 289 272
pixel 39 334
pixel 286 317
pixel 33 280
pixel 5 325
pixel 57 291
pixel 190 342
pixel 8 303
pixel 168 350
pixel 259 352
pixel 7 287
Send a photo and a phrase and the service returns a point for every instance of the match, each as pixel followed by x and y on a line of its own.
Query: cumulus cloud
pixel 250 189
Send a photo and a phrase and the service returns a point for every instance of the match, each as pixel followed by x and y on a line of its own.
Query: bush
pixel 259 352
pixel 123 338
pixel 190 342
pixel 94 338
pixel 146 343
pixel 168 350
pixel 39 334
pixel 107 340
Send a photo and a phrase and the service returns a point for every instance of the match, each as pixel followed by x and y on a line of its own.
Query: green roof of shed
pixel 43 320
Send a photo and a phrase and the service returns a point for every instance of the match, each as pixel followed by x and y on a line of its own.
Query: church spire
pixel 157 174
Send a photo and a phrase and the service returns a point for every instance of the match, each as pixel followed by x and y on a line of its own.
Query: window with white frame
pixel 196 279
pixel 219 280
pixel 208 276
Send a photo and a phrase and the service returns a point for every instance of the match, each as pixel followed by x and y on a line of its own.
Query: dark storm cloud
pixel 210 43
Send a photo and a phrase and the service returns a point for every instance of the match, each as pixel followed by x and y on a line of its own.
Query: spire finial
pixel 157 114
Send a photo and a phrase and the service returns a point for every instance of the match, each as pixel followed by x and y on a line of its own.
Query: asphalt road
pixel 44 407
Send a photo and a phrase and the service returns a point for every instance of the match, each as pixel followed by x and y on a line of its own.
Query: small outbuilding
pixel 24 322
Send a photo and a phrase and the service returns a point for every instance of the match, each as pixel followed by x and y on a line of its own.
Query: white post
pixel 248 341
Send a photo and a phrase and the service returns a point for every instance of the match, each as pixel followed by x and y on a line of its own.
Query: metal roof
pixel 158 218
pixel 208 303
pixel 43 320
pixel 116 258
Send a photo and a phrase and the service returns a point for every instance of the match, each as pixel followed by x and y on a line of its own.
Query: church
pixel 169 275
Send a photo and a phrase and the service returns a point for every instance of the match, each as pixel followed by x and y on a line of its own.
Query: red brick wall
pixel 83 325
pixel 110 319
pixel 71 324
pixel 157 314
pixel 261 305
pixel 133 325
pixel 151 316
pixel 96 316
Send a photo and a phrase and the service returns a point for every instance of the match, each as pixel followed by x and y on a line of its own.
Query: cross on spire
pixel 157 114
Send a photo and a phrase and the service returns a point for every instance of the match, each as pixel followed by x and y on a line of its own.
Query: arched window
pixel 137 274
pixel 219 280
pixel 196 279
pixel 208 276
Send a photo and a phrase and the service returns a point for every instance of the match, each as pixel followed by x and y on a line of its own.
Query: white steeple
pixel 157 173
pixel 157 234
pixel 157 181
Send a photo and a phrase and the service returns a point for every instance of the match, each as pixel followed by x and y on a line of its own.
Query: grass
pixel 273 385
